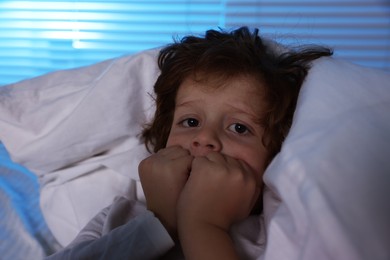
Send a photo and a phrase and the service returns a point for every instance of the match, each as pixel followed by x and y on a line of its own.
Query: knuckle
pixel 142 165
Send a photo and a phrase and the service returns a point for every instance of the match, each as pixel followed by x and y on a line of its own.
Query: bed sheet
pixel 23 231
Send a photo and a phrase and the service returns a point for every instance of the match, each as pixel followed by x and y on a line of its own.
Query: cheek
pixel 254 157
pixel 258 164
pixel 170 141
pixel 259 160
pixel 175 139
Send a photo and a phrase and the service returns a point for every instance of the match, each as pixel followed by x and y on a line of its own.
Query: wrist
pixel 205 240
pixel 168 225
pixel 191 224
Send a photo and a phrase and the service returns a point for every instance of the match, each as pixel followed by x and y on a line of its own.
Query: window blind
pixel 37 37
pixel 358 30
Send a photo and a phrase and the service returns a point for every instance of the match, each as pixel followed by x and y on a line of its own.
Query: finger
pixel 173 152
pixel 216 157
pixel 199 161
pixel 185 162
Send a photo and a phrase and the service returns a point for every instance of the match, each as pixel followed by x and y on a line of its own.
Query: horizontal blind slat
pixel 41 36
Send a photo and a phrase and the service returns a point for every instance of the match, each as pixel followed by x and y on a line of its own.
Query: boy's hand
pixel 220 191
pixel 163 176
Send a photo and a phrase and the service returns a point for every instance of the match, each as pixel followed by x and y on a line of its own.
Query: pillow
pixel 328 188
pixel 78 130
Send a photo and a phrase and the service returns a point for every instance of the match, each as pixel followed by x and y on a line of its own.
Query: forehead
pixel 244 91
pixel 210 83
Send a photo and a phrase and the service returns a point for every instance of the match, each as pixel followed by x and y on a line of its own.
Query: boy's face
pixel 223 119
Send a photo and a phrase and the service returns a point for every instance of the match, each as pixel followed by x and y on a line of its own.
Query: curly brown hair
pixel 220 56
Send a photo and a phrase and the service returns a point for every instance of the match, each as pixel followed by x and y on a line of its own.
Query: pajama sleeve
pixel 105 237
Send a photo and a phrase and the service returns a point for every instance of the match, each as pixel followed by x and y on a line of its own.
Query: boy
pixel 224 104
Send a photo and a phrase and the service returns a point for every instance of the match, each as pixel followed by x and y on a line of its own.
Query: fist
pixel 163 176
pixel 220 191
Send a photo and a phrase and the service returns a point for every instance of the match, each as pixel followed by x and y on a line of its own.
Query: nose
pixel 205 141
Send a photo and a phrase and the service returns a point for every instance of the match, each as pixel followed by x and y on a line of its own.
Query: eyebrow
pixel 255 118
pixel 245 110
pixel 188 103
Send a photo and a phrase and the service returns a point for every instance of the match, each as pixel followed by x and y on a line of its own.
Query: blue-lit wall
pixel 41 36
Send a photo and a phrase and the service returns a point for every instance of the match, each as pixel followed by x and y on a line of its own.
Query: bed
pixel 70 144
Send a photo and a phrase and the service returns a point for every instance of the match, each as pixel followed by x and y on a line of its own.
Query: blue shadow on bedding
pixel 23 231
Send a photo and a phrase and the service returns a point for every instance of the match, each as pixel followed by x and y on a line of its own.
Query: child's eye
pixel 239 128
pixel 190 122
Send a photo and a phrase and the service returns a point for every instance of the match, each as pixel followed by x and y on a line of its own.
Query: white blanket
pixel 23 231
